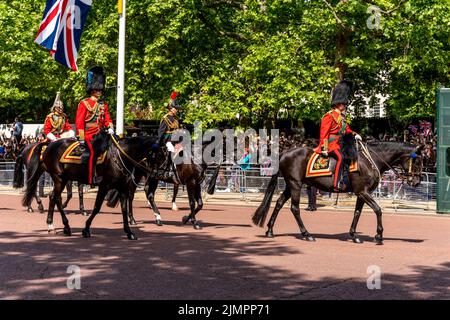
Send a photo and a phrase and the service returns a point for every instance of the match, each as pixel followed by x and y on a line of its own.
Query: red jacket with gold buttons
pixel 91 117
pixel 56 123
pixel 332 128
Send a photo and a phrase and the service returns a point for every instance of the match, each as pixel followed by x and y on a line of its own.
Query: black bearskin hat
pixel 95 79
pixel 341 93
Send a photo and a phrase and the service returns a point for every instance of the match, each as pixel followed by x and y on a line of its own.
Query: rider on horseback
pixel 333 127
pixel 57 123
pixel 167 127
pixel 92 116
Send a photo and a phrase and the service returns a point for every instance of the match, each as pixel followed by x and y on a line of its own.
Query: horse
pixel 372 161
pixel 113 170
pixel 190 174
pixel 23 159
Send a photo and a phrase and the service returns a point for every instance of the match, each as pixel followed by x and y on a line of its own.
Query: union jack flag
pixel 61 28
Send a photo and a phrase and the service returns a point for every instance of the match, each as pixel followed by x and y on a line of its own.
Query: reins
pixel 399 175
pixel 134 162
pixel 366 153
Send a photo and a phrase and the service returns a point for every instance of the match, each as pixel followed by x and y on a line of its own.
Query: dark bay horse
pixel 24 159
pixel 377 158
pixel 190 174
pixel 113 170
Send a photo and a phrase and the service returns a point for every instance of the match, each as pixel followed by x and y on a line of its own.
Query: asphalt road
pixel 229 259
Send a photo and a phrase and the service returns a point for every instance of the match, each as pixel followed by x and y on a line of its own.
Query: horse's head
pixel 412 165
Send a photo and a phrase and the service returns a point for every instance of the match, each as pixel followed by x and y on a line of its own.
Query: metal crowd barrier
pixel 250 185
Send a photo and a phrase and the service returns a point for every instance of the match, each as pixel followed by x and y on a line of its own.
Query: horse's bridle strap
pixel 134 162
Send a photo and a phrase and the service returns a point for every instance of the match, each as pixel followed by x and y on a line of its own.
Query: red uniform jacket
pixel 332 128
pixel 57 124
pixel 91 117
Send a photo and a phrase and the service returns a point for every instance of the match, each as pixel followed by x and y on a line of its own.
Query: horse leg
pixel 191 195
pixel 40 205
pixel 69 194
pixel 59 187
pixel 376 208
pixel 81 199
pixel 295 209
pixel 124 200
pixel 30 209
pixel 130 205
pixel 198 199
pixel 51 209
pixel 174 196
pixel 150 190
pixel 358 210
pixel 280 203
pixel 101 194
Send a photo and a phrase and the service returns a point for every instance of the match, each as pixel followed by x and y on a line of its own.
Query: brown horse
pixel 379 157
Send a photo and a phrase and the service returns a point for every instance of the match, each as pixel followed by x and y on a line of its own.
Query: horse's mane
pixel 391 146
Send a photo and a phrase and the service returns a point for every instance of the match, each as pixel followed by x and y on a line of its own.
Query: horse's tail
pixel 259 217
pixel 18 173
pixel 212 182
pixel 33 174
pixel 112 198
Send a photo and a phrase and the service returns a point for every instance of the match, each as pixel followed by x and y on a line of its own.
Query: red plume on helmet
pixel 173 102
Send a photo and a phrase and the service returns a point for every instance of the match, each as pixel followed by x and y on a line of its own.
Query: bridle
pixel 408 175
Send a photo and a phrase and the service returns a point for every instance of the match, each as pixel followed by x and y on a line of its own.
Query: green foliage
pixel 245 62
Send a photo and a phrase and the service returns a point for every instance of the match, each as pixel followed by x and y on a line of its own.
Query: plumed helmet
pixel 341 93
pixel 57 103
pixel 95 79
pixel 173 101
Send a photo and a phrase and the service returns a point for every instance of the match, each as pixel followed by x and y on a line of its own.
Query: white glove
pixel 358 137
pixel 51 136
pixel 170 146
pixel 111 131
pixel 325 153
pixel 71 134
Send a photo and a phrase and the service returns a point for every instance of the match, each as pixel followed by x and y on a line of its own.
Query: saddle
pixel 74 153
pixel 320 166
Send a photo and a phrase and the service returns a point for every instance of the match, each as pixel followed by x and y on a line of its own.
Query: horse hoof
pixel 30 210
pixel 41 208
pixel 269 234
pixel 378 240
pixel 85 214
pixel 357 240
pixel 133 222
pixel 309 237
pixel 131 236
pixel 197 226
pixel 67 232
pixel 159 223
pixel 185 219
pixel 174 207
pixel 86 233
pixel 51 231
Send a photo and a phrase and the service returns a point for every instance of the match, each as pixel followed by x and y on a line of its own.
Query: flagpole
pixel 121 6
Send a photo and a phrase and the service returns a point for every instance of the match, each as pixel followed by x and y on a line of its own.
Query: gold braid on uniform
pixel 92 110
pixel 56 124
pixel 171 125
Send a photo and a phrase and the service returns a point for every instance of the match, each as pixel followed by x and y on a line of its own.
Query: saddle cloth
pixel 73 154
pixel 319 166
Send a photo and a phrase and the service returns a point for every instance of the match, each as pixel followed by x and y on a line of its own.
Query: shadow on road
pixel 164 265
